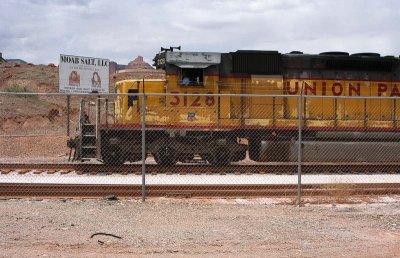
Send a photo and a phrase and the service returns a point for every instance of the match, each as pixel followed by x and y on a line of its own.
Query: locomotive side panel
pixel 265 111
pixel 338 74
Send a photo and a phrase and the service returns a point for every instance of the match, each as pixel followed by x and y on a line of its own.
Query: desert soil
pixel 34 149
pixel 44 114
pixel 197 228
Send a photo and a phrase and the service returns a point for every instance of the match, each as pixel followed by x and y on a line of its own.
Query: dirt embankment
pixel 35 114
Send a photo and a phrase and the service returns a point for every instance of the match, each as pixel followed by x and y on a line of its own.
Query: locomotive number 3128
pixel 192 101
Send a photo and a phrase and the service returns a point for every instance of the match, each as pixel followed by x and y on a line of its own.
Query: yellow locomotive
pixel 220 129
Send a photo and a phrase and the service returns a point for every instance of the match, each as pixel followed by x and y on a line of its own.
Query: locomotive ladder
pixel 87 132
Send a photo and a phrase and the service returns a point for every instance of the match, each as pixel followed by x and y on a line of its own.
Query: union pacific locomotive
pixel 219 129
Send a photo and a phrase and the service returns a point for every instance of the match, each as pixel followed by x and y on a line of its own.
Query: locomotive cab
pixel 190 73
pixel 188 68
pixel 194 126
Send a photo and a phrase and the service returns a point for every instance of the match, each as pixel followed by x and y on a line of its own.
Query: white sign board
pixel 80 74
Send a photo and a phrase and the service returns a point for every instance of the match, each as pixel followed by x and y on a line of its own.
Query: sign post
pixel 68 113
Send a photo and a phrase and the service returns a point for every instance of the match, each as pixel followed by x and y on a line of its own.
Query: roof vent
pixel 296 53
pixel 334 53
pixel 256 62
pixel 367 54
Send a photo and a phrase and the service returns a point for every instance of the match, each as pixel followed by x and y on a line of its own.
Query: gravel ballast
pixel 189 227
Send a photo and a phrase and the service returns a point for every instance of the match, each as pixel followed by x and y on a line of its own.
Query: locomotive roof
pixel 328 54
pixel 187 59
pixel 274 62
pixel 341 61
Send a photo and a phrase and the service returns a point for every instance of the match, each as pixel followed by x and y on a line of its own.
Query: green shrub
pixel 16 88
pixel 20 89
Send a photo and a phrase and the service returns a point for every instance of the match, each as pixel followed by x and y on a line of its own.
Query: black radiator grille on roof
pixel 256 62
pixel 359 65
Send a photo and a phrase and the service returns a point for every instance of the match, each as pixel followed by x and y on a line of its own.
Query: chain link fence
pixel 204 144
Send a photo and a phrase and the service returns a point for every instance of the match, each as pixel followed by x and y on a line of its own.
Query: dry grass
pixel 335 193
pixel 341 193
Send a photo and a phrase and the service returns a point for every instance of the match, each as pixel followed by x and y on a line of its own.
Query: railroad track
pixel 14 190
pixel 21 189
pixel 261 168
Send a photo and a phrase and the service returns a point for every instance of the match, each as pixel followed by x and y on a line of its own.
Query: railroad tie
pixel 5 171
pixel 23 171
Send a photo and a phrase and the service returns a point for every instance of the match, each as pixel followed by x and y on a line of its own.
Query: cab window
pixel 192 77
pixel 132 99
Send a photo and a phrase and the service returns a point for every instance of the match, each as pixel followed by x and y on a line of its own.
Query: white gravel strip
pixel 162 179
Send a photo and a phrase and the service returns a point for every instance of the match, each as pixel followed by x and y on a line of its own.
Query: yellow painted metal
pixel 172 110
pixel 212 111
pixel 263 111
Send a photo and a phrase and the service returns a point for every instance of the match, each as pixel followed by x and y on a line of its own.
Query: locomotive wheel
pixel 113 156
pixel 165 156
pixel 255 149
pixel 221 157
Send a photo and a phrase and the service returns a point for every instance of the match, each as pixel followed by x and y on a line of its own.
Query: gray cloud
pixel 39 30
pixel 58 2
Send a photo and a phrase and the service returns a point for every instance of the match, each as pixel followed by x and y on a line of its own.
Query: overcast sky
pixel 38 31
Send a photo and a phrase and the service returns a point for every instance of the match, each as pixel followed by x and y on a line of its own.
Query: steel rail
pixel 23 190
pixel 263 168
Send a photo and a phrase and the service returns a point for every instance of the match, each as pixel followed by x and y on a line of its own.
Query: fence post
pixel 299 152
pixel 68 113
pixel 106 111
pixel 143 147
pixel 98 121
